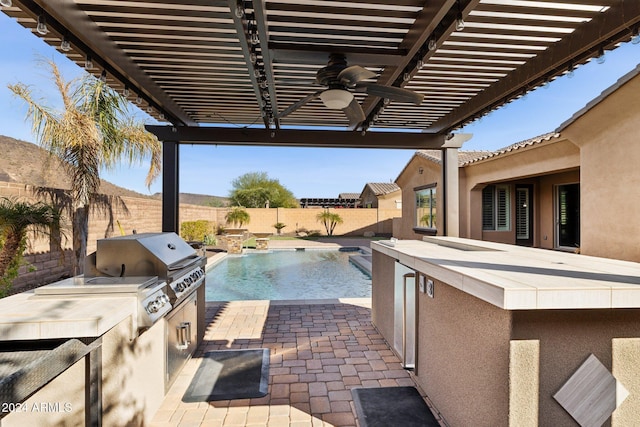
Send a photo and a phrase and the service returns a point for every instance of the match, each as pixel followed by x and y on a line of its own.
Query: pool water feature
pixel 287 275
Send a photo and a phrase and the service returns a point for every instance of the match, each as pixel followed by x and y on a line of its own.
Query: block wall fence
pixel 46 264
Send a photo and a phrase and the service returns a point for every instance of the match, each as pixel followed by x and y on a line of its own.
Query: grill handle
pixel 184 263
pixel 184 335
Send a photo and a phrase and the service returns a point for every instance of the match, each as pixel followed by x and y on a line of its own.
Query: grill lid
pixel 143 254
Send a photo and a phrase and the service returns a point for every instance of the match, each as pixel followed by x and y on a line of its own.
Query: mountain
pixel 27 163
pixel 199 199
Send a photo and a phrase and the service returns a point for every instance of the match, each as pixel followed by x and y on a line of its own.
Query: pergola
pixel 201 65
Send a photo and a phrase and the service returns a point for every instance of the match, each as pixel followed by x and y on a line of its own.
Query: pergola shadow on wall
pixel 197 64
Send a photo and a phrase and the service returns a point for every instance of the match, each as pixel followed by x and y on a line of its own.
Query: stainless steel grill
pixel 160 269
pixel 164 255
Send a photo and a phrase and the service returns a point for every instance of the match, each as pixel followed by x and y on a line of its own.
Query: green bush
pixel 200 230
pixel 238 217
pixel 279 226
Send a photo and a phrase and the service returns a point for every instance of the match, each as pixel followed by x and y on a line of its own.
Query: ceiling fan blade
pixel 303 101
pixel 353 74
pixel 393 93
pixel 354 113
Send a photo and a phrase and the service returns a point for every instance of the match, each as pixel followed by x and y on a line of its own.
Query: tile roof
pixel 349 195
pixel 463 156
pixel 517 146
pixel 381 188
pixel 468 157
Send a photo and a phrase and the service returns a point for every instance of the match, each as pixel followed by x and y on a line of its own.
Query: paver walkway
pixel 318 352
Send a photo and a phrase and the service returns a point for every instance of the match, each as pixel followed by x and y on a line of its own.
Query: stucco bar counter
pixel 501 335
pixel 117 378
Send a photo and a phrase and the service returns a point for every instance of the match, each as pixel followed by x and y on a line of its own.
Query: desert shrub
pixel 199 230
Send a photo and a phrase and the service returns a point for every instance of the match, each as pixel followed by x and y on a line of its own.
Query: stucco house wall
pixel 535 164
pixel 607 133
pixel 408 180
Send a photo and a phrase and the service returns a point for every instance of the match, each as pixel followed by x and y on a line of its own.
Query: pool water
pixel 285 275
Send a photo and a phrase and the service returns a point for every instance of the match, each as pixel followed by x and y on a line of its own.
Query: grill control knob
pixel 180 286
pixel 152 307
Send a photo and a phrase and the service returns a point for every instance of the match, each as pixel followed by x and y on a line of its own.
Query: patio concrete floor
pixel 319 350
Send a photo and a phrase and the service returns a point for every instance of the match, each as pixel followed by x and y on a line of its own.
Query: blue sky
pixel 307 172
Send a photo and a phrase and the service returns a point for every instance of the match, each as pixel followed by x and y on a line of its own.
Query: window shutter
pixel 502 208
pixel 522 213
pixel 488 204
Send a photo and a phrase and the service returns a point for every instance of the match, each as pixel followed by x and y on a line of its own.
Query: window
pixel 496 208
pixel 426 207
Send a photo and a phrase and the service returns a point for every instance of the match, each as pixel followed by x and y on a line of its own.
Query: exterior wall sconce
pixel 420 170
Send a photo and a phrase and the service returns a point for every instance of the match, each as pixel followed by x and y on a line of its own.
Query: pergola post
pixel 450 184
pixel 170 187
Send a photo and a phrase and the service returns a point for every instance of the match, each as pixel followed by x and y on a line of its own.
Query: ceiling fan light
pixel 336 99
pixel 5 3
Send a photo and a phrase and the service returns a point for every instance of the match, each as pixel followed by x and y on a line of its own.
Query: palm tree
pixel 16 219
pixel 237 217
pixel 330 220
pixel 93 130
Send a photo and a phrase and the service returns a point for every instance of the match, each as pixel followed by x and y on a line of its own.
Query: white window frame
pixel 431 190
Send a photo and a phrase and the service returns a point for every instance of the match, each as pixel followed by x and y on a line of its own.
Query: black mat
pixel 392 406
pixel 230 374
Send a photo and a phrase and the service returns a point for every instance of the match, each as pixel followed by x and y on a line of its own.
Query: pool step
pixel 362 261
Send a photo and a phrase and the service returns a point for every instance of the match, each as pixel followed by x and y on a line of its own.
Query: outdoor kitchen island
pixel 502 335
pixel 103 348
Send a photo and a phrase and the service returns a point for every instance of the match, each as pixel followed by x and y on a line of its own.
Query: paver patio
pixel 319 350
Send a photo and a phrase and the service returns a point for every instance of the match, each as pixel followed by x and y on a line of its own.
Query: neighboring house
pixel 573 189
pixel 385 195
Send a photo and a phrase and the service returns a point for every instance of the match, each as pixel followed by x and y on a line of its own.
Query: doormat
pixel 392 406
pixel 230 374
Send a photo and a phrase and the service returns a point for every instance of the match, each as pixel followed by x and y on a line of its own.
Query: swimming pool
pixel 285 275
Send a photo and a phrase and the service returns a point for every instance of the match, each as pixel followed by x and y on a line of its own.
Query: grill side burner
pixel 153 302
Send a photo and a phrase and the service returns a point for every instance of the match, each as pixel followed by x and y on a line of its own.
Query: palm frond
pixel 45 123
pixel 17 216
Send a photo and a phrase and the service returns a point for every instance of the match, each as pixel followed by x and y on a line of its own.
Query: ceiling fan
pixel 339 79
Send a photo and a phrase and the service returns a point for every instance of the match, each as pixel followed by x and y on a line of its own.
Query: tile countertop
pixel 520 278
pixel 27 316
